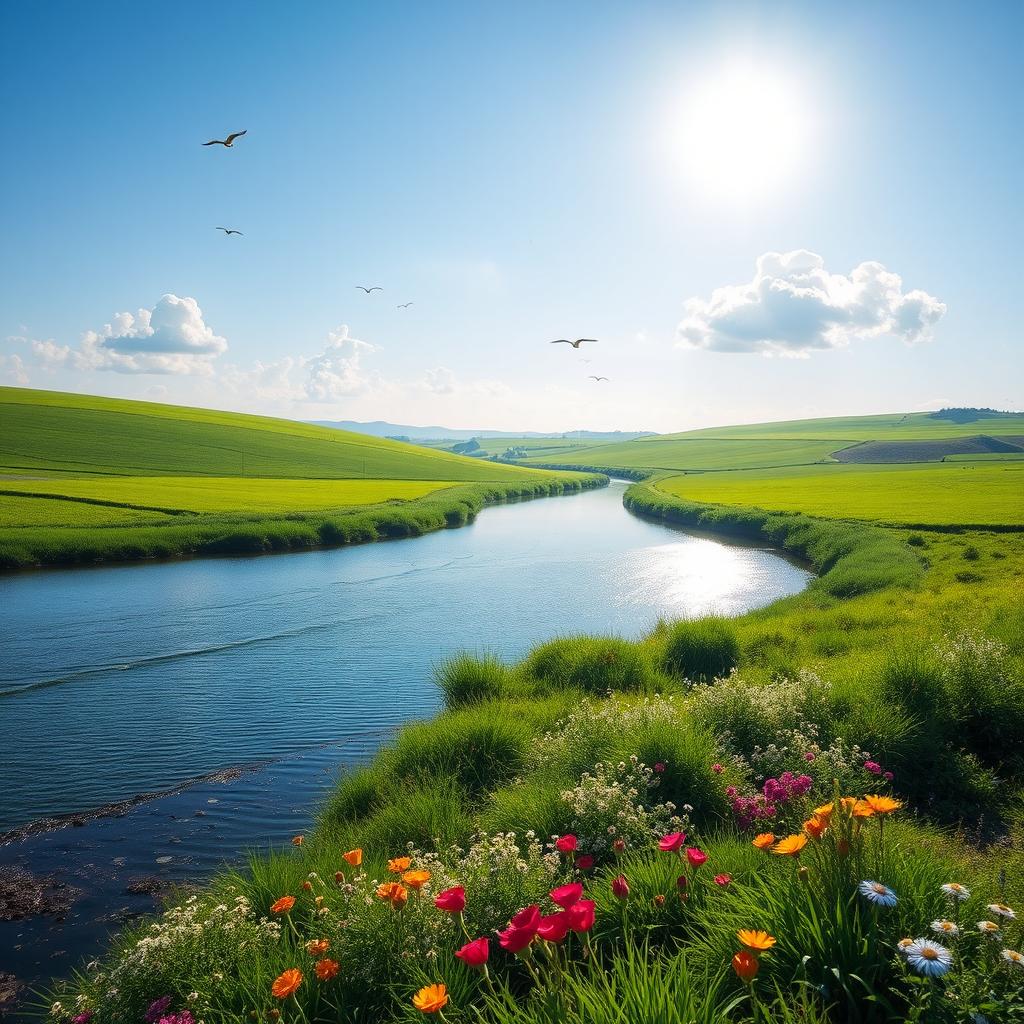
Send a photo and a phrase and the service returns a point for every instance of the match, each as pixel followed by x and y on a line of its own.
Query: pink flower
pixel 873 766
pixel 672 843
pixel 451 900
pixel 731 791
pixel 521 930
pixel 717 769
pixel 808 756
pixel 475 953
pixel 723 879
pixel 82 1018
pixel 567 844
pixel 567 895
pixel 659 767
pixel 156 1009
pixel 620 887
pixel 695 857
pixel 585 863
pixel 619 845
pixel 554 927
pixel 581 916
pixel 888 776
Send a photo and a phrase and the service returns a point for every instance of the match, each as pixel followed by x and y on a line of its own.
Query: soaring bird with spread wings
pixel 228 142
pixel 375 288
pixel 592 377
pixel 228 231
pixel 576 343
pixel 403 305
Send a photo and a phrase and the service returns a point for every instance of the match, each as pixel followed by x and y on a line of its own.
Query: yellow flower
pixel 431 999
pixel 790 846
pixel 862 809
pixel 764 840
pixel 824 811
pixel 882 804
pixel 756 940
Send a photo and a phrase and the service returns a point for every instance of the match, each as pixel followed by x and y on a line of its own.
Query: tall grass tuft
pixel 466 679
pixel 594 665
pixel 701 649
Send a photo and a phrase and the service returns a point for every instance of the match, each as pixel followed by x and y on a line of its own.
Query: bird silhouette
pixel 375 288
pixel 403 305
pixel 229 231
pixel 228 142
pixel 592 377
pixel 576 343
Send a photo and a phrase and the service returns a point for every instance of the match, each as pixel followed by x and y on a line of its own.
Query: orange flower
pixel 824 812
pixel 307 886
pixel 756 940
pixel 882 804
pixel 848 803
pixel 326 969
pixel 317 947
pixel 298 840
pixel 815 827
pixel 283 905
pixel 353 857
pixel 286 983
pixel 764 840
pixel 431 999
pixel 398 864
pixel 790 846
pixel 416 879
pixel 745 965
pixel 862 809
pixel 395 893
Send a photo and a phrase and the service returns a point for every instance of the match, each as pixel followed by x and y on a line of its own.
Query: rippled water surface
pixel 133 679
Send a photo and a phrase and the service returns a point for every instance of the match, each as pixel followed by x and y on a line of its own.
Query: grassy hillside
pixel 86 479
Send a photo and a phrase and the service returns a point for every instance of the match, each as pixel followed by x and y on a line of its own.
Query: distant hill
pixel 381 428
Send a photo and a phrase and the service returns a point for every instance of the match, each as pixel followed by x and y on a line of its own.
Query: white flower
pixel 1011 956
pixel 989 928
pixel 956 891
pixel 876 893
pixel 929 958
pixel 1002 910
pixel 943 927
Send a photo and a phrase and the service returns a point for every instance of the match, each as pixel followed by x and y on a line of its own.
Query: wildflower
pixel 764 840
pixel 554 927
pixel 659 767
pixel 928 958
pixel 717 769
pixel 87 1015
pixel 878 894
pixel 1011 956
pixel 808 757
pixel 581 916
pixel 824 812
pixel 353 857
pixel 882 804
pixel 695 857
pixel 431 999
pixel 566 895
pixel 989 928
pixel 339 877
pixel 453 900
pixel 566 844
pixel 756 940
pixel 803 873
pixel 307 886
pixel 475 953
pixel 746 966
pixel 281 906
pixel 888 776
pixel 317 947
pixel 723 879
pixel 399 864
pixel 903 945
pixel 815 827
pixel 956 891
pixel 862 809
pixel 731 791
pixel 659 900
pixel 158 1006
pixel 395 893
pixel 1002 910
pixel 873 766
pixel 521 930
pixel 416 879
pixel 672 843
pixel 944 927
pixel 585 863
pixel 790 846
pixel 286 983
pixel 327 969
pixel 619 845
pixel 57 1009
pixel 298 840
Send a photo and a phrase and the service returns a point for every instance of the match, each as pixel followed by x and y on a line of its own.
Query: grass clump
pixel 701 649
pixel 466 679
pixel 593 665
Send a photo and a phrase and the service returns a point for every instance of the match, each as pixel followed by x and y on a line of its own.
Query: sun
pixel 742 132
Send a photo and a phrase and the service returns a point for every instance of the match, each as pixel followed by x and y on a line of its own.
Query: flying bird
pixel 592 377
pixel 228 142
pixel 403 305
pixel 228 231
pixel 375 288
pixel 576 343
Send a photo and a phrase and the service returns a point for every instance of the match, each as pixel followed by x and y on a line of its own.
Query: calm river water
pixel 121 681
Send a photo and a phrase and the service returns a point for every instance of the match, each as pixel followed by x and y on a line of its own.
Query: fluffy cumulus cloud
pixel 440 380
pixel 794 306
pixel 172 337
pixel 337 372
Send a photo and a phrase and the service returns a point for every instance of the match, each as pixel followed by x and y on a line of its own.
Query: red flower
pixel 554 927
pixel 451 900
pixel 682 882
pixel 695 857
pixel 581 916
pixel 521 930
pixel 619 845
pixel 723 879
pixel 717 769
pixel 567 895
pixel 673 842
pixel 585 863
pixel 567 844
pixel 475 953
pixel 659 767
pixel 620 887
pixel 529 917
pixel 745 965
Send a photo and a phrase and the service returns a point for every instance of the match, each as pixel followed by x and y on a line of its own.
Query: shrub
pixel 465 679
pixel 915 540
pixel 701 649
pixel 593 664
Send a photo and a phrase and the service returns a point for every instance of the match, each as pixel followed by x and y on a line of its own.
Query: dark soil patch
pixel 26 895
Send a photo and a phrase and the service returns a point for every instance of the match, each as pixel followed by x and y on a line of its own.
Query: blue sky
pixel 520 173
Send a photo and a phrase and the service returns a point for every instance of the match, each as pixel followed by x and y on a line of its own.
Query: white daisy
pixel 1011 956
pixel 947 928
pixel 903 945
pixel 929 958
pixel 989 928
pixel 956 891
pixel 875 892
pixel 1002 910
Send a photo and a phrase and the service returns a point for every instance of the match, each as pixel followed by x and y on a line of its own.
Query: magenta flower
pixel 873 766
pixel 717 768
pixel 157 1008
pixel 659 767
pixel 672 843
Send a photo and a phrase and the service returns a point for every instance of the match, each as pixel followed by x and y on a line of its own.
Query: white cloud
pixel 336 372
pixel 440 380
pixel 12 368
pixel 170 338
pixel 794 306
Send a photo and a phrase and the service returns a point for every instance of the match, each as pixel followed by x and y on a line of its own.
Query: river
pixel 131 680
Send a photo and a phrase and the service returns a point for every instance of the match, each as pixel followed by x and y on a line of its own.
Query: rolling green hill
pixel 85 479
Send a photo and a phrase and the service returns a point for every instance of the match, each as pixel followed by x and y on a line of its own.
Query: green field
pixel 943 494
pixel 86 479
